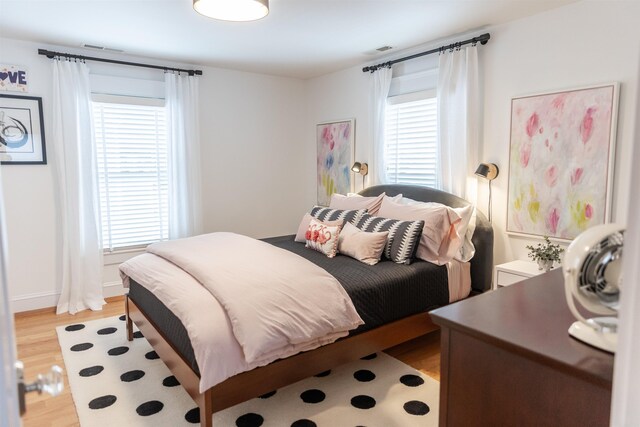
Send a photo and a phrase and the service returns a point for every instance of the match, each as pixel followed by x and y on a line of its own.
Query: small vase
pixel 545 264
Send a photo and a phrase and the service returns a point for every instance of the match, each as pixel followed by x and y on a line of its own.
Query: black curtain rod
pixel 50 54
pixel 482 39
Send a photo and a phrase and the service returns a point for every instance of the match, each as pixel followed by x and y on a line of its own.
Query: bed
pixel 391 299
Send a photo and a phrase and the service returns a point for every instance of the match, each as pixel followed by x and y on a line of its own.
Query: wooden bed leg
pixel 206 409
pixel 129 321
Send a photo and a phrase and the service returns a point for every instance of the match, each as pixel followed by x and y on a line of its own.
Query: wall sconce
pixel 362 169
pixel 488 171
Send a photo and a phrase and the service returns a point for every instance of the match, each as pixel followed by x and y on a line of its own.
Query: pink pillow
pixel 439 241
pixel 304 225
pixel 372 204
pixel 364 246
pixel 323 238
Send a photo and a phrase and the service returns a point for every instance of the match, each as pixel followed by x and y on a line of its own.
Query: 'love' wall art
pixel 561 161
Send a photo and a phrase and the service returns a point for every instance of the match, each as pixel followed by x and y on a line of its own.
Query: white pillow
pixel 364 246
pixel 464 229
pixel 357 202
pixel 439 242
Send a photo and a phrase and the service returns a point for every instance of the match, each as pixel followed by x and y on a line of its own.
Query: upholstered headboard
pixel 482 262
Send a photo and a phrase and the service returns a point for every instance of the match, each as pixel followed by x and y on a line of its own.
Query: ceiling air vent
pixel 106 49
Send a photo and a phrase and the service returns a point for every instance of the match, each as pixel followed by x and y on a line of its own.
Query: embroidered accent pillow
pixel 323 238
pixel 324 213
pixel 304 224
pixel 403 239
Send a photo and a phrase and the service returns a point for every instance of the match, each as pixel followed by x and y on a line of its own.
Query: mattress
pixel 381 293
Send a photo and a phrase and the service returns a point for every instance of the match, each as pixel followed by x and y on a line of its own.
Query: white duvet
pixel 243 302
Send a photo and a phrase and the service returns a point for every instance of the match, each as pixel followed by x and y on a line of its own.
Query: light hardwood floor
pixel 38 348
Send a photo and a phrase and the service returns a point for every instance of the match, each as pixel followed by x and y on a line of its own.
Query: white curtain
pixel 75 154
pixel 185 206
pixel 458 121
pixel 380 82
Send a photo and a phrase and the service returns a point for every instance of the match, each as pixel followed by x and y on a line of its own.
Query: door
pixel 9 408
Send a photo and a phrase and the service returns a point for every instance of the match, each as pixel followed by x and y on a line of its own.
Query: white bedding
pixel 229 312
pixel 459 279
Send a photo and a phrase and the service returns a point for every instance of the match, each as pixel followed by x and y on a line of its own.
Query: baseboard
pixel 40 300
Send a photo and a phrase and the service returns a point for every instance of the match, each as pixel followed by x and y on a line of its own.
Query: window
pixel 131 142
pixel 411 139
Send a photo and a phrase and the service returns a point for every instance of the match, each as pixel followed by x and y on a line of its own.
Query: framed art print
pixel 22 130
pixel 561 161
pixel 335 144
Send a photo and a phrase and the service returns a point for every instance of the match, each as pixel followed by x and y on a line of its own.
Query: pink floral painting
pixel 561 159
pixel 335 155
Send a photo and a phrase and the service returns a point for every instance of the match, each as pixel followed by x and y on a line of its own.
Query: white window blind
pixel 132 167
pixel 411 139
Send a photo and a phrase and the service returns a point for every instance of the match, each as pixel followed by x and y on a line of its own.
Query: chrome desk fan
pixel 592 269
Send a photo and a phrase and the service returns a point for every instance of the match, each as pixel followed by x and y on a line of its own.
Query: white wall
pixel 253 177
pixel 584 43
pixel 251 132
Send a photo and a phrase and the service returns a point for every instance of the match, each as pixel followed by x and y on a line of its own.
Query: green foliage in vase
pixel 546 251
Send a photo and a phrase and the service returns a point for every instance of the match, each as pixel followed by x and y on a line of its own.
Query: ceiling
pixel 299 38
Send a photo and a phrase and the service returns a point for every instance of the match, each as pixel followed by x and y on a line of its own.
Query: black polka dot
pixel 138 334
pixel 363 402
pixel 303 423
pixel 152 355
pixel 117 351
pixel 323 374
pixel 268 395
pixel 82 347
pixel 75 327
pixel 415 407
pixel 170 381
pixel 102 402
pixel 123 317
pixel 149 408
pixel 249 420
pixel 364 375
pixel 411 380
pixel 130 376
pixel 312 396
pixel 91 371
pixel 107 331
pixel 369 357
pixel 193 416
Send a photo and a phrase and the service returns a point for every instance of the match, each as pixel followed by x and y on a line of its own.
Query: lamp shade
pixel 488 171
pixel 356 167
pixel 232 10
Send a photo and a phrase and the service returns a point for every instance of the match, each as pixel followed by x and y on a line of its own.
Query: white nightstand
pixel 514 272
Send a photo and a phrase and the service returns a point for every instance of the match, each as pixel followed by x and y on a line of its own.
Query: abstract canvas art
pixel 561 161
pixel 22 130
pixel 335 142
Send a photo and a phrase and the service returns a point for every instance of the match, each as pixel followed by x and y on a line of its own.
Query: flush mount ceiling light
pixel 232 10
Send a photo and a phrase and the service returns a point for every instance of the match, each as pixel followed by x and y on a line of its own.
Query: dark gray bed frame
pixel 280 373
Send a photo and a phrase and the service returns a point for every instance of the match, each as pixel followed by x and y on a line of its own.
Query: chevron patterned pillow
pixel 324 213
pixel 404 236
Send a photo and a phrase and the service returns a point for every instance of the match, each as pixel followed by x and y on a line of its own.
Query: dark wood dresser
pixel 508 360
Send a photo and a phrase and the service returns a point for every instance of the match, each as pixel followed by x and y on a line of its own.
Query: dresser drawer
pixel 505 279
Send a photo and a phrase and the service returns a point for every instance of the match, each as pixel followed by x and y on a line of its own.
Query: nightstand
pixel 514 272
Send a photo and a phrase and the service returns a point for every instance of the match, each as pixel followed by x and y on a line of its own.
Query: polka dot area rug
pixel 119 383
